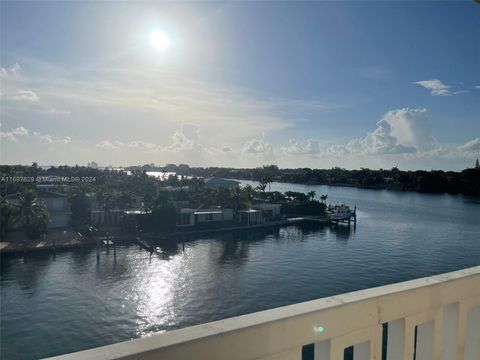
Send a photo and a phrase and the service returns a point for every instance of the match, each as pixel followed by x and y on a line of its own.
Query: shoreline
pixel 24 246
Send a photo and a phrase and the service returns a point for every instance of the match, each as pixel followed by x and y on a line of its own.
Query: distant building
pixel 93 165
pixel 218 182
pixel 57 206
pixel 477 165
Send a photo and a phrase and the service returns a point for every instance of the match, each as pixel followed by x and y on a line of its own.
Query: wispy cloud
pixel 25 95
pixel 22 133
pixel 470 148
pixel 435 86
pixel 310 147
pixel 13 70
pixel 52 139
pixel 110 145
pixel 438 88
pixel 14 134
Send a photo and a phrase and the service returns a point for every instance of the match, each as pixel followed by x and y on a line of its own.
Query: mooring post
pixel 98 249
pixel 53 243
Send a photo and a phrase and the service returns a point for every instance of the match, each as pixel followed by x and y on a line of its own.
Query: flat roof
pixel 207 212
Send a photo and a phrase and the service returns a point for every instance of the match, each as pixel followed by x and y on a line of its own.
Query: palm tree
pixel 5 216
pixel 31 214
pixel 262 186
pixel 311 195
pixel 323 198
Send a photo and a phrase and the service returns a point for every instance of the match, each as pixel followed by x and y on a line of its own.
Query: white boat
pixel 339 212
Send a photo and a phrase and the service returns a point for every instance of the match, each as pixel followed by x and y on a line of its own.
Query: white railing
pixel 433 318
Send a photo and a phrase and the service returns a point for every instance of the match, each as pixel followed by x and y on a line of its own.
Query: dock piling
pixel 98 249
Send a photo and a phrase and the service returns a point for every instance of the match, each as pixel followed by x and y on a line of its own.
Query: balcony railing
pixel 433 318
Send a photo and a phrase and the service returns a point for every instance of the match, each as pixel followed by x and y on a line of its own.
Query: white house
pixel 218 182
pixel 193 217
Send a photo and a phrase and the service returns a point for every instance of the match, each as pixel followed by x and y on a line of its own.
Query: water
pixel 51 306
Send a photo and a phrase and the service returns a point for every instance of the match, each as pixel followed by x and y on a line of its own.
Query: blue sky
pixel 349 84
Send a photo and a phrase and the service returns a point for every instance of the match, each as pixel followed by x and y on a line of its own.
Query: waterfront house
pixel 215 183
pixel 57 206
pixel 271 211
pixel 203 217
pixel 251 217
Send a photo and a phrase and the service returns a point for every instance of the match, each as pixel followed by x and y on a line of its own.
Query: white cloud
pixel 400 131
pixel 25 95
pixel 52 139
pixel 436 87
pixel 22 133
pixel 108 145
pixel 258 146
pixel 470 148
pixel 15 69
pixel 477 86
pixel 310 147
pixel 14 134
pixel 185 139
pixel 141 145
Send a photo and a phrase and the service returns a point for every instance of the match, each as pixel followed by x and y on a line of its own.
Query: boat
pixel 339 212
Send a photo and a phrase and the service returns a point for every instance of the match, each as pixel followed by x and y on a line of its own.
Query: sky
pixel 241 84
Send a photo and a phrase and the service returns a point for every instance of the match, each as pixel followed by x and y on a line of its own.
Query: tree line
pixel 435 181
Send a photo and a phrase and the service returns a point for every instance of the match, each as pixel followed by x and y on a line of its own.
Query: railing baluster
pixel 424 346
pixel 450 332
pixel 367 344
pixel 322 350
pixel 437 334
pixel 396 340
pixel 464 307
pixel 409 339
pixel 362 351
pixel 472 339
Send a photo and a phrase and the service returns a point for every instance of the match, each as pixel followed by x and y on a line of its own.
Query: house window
pixel 185 219
pixel 57 204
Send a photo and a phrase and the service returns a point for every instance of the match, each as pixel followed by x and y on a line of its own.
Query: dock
pixel 144 244
pixel 275 223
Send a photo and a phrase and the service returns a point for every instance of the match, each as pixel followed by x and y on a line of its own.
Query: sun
pixel 159 40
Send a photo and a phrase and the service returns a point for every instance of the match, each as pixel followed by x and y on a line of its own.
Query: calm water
pixel 51 306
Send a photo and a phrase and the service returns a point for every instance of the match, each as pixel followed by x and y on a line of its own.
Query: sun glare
pixel 159 40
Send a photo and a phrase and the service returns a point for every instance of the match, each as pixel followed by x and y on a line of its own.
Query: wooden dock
pixel 144 244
